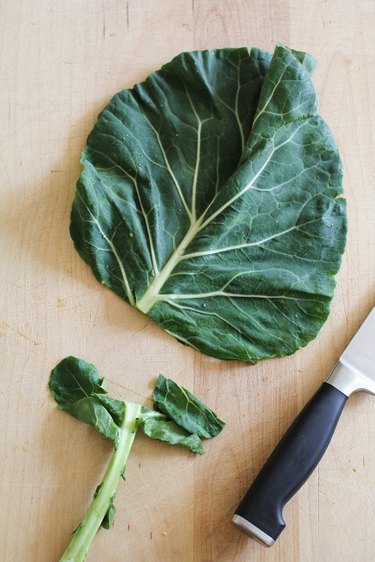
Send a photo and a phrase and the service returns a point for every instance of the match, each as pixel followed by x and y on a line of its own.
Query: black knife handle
pixel 291 463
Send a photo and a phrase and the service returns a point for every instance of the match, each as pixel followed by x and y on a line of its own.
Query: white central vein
pixel 245 244
pixel 196 171
pixel 144 214
pixel 248 185
pixel 152 295
pixel 235 110
pixel 166 160
pixel 114 251
pixel 197 160
pixel 237 114
pixel 209 294
pixel 270 96
pixel 206 313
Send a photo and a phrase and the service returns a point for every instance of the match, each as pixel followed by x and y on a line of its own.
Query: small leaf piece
pixel 73 379
pixel 185 409
pixel 170 432
pixel 78 390
pixel 114 407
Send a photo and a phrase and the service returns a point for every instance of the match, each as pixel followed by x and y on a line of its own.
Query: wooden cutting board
pixel 61 62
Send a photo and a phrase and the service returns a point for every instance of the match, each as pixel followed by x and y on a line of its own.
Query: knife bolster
pixel 348 380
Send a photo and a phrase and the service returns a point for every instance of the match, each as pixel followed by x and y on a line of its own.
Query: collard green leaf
pixel 116 408
pixel 78 390
pixel 185 409
pixel 169 432
pixel 73 379
pixel 209 201
pixel 157 425
pixel 182 418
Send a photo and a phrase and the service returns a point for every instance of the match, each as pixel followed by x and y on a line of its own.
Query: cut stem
pixel 79 545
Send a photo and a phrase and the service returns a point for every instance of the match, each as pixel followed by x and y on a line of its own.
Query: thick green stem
pixel 79 545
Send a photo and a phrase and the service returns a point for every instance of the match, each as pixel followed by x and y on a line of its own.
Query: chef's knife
pixel 260 513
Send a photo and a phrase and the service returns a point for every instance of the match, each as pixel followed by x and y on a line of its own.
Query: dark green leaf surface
pixel 73 379
pixel 78 390
pixel 185 409
pixel 182 418
pixel 209 200
pixel 170 432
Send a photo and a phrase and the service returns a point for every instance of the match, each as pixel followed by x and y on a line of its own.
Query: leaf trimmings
pixel 210 200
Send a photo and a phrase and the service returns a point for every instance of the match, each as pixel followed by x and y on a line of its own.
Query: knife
pixel 259 514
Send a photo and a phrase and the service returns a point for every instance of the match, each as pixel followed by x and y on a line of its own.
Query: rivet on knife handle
pixel 260 513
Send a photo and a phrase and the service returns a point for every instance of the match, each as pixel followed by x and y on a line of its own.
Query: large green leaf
pixel 209 200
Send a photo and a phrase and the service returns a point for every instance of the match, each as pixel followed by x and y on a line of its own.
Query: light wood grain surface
pixel 61 62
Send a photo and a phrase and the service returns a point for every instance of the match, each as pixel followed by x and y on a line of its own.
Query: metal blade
pixel 356 368
pixel 360 353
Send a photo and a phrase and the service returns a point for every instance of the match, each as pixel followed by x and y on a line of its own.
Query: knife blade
pixel 259 514
pixel 355 370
